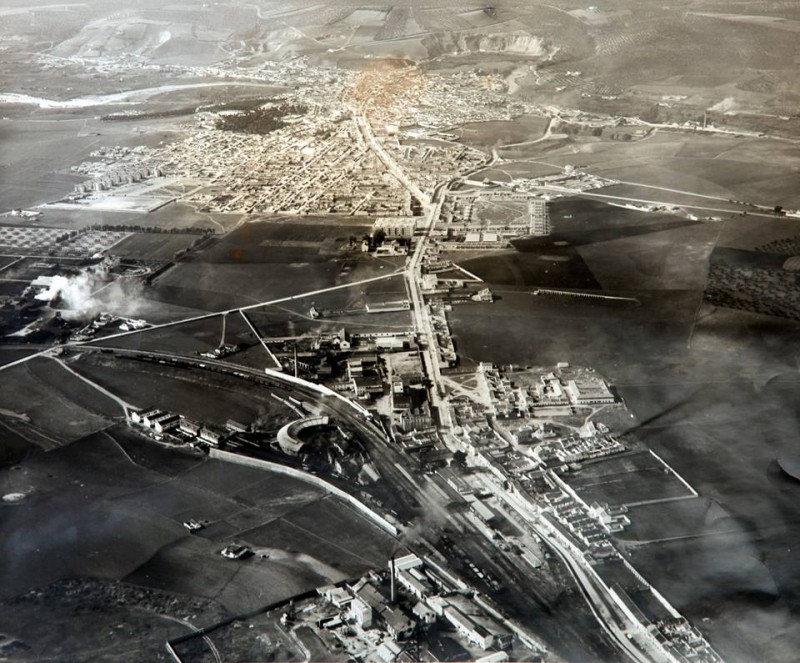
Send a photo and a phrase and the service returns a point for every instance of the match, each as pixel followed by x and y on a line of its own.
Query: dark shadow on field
pixel 583 237
pixel 561 267
pixel 283 240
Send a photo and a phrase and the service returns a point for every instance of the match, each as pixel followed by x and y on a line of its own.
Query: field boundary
pixel 375 517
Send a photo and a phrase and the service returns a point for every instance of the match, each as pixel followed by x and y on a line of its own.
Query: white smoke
pixel 727 104
pixel 92 291
pixel 76 292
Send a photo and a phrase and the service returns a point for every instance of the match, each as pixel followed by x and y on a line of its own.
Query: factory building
pixel 396 227
pixel 589 392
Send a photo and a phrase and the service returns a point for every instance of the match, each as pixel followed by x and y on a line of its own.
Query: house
pixel 137 416
pixel 165 422
pixel 211 437
pixel 189 427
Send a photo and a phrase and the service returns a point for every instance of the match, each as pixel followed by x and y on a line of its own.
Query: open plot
pixel 193 566
pixel 670 259
pixel 485 135
pixel 580 221
pixel 49 406
pixel 188 338
pixel 94 496
pixel 14 353
pixel 11 288
pixel 556 267
pixel 631 193
pixel 28 269
pixel 172 500
pixel 631 479
pixel 285 240
pixel 216 287
pixel 336 548
pixel 263 638
pixel 317 649
pixel 654 523
pixel 183 391
pixel 279 322
pixel 617 574
pixel 68 517
pixel 248 484
pixel 153 246
pixel 331 518
pixel 345 307
pixel 253 357
pixel 231 275
pixel 727 167
pixel 6 260
pixel 604 334
pixel 297 558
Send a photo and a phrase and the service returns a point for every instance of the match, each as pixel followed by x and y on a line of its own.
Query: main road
pixel 629 634
pixel 413 270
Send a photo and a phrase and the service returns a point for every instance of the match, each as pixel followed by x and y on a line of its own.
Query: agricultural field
pixel 211 287
pixel 35 158
pixel 14 353
pixel 598 246
pixel 628 480
pixel 31 239
pixel 127 498
pixel 5 261
pixel 485 135
pixel 183 391
pixel 188 338
pixel 153 246
pixel 269 260
pixel 27 269
pixel 668 167
pixel 675 520
pixel 176 216
pixel 753 233
pixel 287 240
pixel 339 308
pixel 47 405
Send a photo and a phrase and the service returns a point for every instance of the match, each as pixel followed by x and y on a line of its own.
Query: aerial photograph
pixel 382 331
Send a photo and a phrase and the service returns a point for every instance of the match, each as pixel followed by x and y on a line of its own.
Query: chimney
pixel 391 579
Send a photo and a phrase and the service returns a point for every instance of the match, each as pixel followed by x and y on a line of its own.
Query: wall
pixel 362 508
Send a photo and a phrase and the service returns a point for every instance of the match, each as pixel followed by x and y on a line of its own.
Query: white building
pixel 589 392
